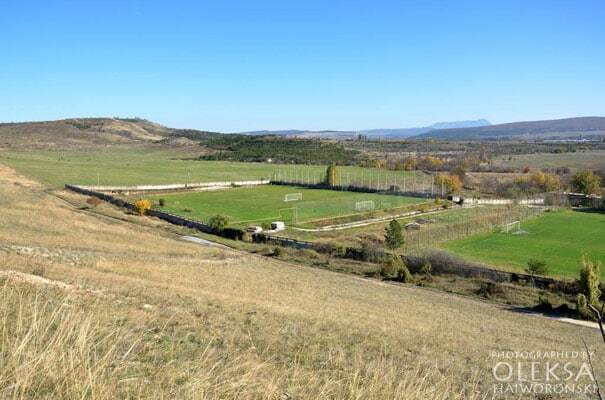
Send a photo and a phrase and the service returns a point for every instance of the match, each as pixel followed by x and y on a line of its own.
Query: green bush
pixel 536 267
pixel 218 223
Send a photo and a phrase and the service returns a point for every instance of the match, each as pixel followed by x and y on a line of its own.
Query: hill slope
pixel 80 132
pixel 135 312
pixel 568 127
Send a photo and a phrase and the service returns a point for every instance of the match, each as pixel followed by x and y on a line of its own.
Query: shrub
pixel 544 304
pixel 388 269
pixel 536 267
pixel 427 268
pixel 490 289
pixel 423 208
pixel 582 305
pixel 142 206
pixel 218 223
pixel 277 251
pixel 162 202
pixel 403 273
pixel 93 201
pixel 586 182
pixel 369 252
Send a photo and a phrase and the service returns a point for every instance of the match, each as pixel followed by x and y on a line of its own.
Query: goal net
pixel 293 197
pixel 366 205
pixel 289 214
pixel 514 226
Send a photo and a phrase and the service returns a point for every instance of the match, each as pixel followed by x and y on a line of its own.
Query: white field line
pixel 371 221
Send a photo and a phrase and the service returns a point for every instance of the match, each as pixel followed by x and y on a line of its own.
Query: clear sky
pixel 246 65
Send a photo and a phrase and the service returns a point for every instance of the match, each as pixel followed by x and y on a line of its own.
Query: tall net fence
pixel 466 222
pixel 358 177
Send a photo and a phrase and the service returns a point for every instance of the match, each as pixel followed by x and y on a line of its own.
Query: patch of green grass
pixel 558 238
pixel 579 160
pixel 263 203
pixel 137 166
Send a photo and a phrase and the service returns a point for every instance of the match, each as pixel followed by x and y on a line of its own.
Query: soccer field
pixel 266 203
pixel 559 238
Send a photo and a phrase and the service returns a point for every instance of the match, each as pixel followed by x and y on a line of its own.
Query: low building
pixel 278 226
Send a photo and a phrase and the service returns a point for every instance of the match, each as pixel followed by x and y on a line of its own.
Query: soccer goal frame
pixel 293 197
pixel 510 227
pixel 365 205
pixel 293 212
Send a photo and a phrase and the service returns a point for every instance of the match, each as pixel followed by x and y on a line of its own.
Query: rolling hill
pixel 386 133
pixel 557 128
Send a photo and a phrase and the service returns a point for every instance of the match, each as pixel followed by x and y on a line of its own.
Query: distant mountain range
pixel 392 133
pixel 556 128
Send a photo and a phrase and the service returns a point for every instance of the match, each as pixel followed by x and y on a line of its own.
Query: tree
pixel 451 183
pixel 536 267
pixel 332 178
pixel 585 182
pixel 142 206
pixel 589 281
pixel 394 236
pixel 218 223
pixel 460 172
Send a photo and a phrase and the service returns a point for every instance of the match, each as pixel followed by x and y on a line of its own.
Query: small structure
pixel 412 225
pixel 278 226
pixel 583 200
pixel 254 229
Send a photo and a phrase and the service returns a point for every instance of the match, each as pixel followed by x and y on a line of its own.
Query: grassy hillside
pixel 117 307
pixel 548 128
pixel 132 165
pixel 80 133
pixel 558 238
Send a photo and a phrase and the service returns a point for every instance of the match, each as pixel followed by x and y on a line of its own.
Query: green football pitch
pixel 559 238
pixel 267 203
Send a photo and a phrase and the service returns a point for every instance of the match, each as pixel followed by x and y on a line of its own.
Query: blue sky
pixel 246 65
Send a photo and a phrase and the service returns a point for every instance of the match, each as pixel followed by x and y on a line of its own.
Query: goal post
pixel 514 226
pixel 366 205
pixel 292 197
pixel 289 214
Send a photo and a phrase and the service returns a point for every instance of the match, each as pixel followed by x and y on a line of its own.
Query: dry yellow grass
pixel 169 319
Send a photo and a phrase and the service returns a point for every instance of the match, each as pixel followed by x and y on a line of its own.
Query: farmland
pixel 558 238
pixel 154 165
pixel 266 203
pixel 580 160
